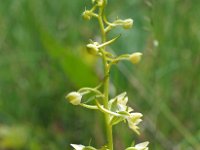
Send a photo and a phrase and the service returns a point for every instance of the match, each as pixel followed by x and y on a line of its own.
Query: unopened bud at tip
pixel 74 98
pixel 99 2
pixel 87 15
pixel 135 57
pixel 92 49
pixel 128 23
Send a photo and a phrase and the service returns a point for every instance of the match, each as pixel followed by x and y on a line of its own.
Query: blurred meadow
pixel 43 57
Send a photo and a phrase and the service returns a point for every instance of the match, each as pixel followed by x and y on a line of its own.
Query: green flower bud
pixel 74 98
pixel 87 15
pixel 135 57
pixel 128 23
pixel 92 48
pixel 99 2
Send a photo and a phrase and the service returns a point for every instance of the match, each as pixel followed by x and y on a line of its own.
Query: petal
pixel 142 145
pixel 78 146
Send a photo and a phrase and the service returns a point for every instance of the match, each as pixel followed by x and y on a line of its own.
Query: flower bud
pixel 135 57
pixel 128 23
pixel 74 98
pixel 87 15
pixel 92 49
pixel 99 2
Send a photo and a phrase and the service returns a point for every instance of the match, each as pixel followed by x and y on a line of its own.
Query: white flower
pixel 74 98
pixel 134 120
pixel 140 146
pixel 119 105
pixel 82 147
pixel 119 102
pixel 77 147
pixel 135 57
pixel 122 98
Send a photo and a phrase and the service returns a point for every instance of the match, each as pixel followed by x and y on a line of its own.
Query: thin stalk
pixel 106 81
pixel 89 106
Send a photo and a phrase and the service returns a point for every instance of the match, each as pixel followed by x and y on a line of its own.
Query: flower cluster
pixel 140 146
pixel 119 105
pixel 116 109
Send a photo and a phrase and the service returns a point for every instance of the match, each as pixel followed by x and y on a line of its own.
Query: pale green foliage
pixel 116 109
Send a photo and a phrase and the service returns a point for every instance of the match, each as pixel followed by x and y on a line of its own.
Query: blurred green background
pixel 43 57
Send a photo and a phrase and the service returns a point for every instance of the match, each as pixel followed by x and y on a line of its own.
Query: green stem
pixel 88 90
pixel 89 106
pixel 106 81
